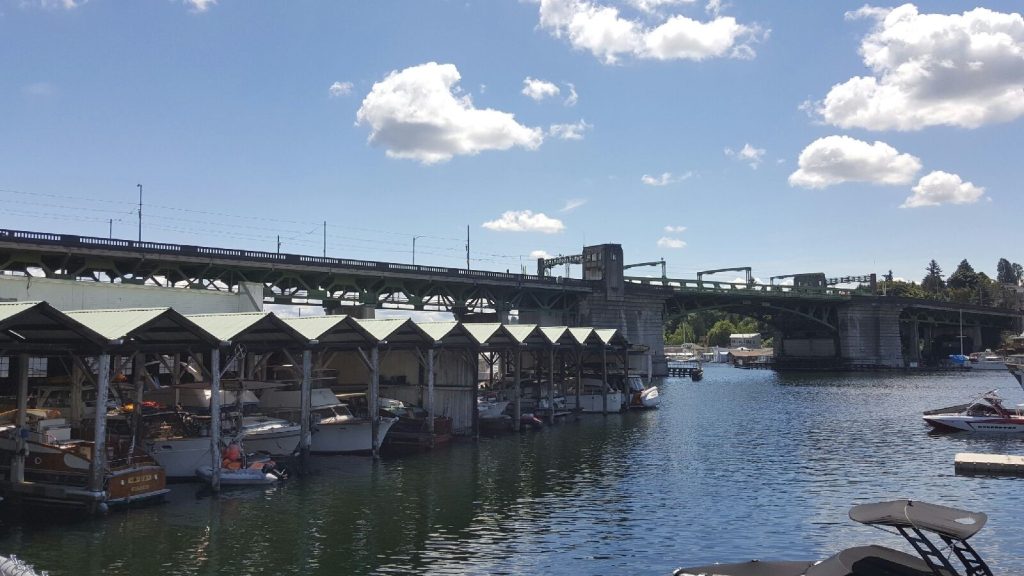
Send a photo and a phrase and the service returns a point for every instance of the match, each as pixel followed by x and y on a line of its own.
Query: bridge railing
pixel 72 241
pixel 709 286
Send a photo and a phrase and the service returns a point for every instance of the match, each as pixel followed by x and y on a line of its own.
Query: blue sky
pixel 788 135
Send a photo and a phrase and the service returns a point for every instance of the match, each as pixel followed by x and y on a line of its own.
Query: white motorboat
pixel 335 429
pixel 1015 364
pixel 987 360
pixel 488 407
pixel 592 397
pixel 641 396
pixel 986 414
pixel 275 436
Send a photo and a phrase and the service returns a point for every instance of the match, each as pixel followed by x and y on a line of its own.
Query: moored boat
pixel 985 414
pixel 641 396
pixel 592 397
pixel 335 429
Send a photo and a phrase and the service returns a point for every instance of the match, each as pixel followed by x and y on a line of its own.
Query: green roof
pixel 316 327
pixel 581 335
pixel 115 324
pixel 253 327
pixel 556 334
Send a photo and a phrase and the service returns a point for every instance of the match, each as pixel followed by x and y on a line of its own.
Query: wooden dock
pixel 680 370
pixel 995 464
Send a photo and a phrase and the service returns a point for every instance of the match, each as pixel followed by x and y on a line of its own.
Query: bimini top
pixel 943 520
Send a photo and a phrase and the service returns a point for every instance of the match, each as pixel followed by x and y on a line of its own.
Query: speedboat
pixel 1015 364
pixel 335 429
pixel 915 521
pixel 641 396
pixel 275 436
pixel 490 407
pixel 987 360
pixel 985 414
pixel 592 397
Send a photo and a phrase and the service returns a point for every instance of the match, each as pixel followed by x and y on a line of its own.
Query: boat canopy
pixel 943 520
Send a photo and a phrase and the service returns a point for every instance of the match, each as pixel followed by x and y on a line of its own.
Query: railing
pixel 72 241
pixel 740 288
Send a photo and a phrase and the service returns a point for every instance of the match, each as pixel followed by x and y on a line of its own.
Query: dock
pixel 685 370
pixel 995 464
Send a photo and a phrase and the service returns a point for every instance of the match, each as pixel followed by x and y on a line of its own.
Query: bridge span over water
pixel 814 326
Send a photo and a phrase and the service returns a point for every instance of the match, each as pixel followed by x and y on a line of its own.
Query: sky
pixel 792 136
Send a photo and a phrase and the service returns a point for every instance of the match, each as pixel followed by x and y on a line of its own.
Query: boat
pixel 987 360
pixel 490 407
pixel 950 555
pixel 335 429
pixel 57 467
pixel 1015 364
pixel 985 414
pixel 641 396
pixel 275 436
pixel 237 469
pixel 592 397
pixel 412 430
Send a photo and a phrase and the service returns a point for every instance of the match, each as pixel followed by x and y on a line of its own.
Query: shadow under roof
pixel 146 328
pixel 256 330
pixel 37 327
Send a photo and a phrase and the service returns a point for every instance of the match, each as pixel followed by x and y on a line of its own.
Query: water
pixel 745 464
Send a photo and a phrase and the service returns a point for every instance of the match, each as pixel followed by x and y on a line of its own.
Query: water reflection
pixel 743 464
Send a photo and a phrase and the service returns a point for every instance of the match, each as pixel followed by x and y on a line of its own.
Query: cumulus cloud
pixel 675 229
pixel 962 70
pixel 569 131
pixel 748 154
pixel 420 113
pixel 200 5
pixel 837 159
pixel 572 204
pixel 525 221
pixel 339 89
pixel 539 89
pixel 56 4
pixel 607 35
pixel 540 254
pixel 651 6
pixel 667 242
pixel 664 179
pixel 940 188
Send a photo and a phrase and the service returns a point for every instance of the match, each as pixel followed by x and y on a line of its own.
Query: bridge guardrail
pixel 71 241
pixel 705 286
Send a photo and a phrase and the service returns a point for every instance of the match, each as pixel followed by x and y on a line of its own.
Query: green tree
pixel 933 281
pixel 964 277
pixel 906 290
pixel 681 335
pixel 1005 272
pixel 1018 272
pixel 719 333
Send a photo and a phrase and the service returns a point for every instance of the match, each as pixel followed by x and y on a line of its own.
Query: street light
pixel 414 248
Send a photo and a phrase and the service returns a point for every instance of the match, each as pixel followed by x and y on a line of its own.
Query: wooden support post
pixel 306 398
pixel 215 418
pixel 374 401
pixel 579 380
pixel 430 394
pixel 551 385
pixel 77 403
pixel 626 396
pixel 138 367
pixel 98 466
pixel 18 465
pixel 474 374
pixel 604 380
pixel 517 411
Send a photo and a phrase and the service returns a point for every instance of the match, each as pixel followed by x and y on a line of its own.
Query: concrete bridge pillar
pixel 869 333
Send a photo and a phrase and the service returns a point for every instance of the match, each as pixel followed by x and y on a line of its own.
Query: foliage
pixel 963 277
pixel 906 290
pixel 681 335
pixel 720 332
pixel 1008 273
pixel 933 282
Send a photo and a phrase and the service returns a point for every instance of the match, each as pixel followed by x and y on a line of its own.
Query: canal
pixel 745 464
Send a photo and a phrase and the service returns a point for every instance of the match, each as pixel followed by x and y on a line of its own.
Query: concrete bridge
pixel 815 325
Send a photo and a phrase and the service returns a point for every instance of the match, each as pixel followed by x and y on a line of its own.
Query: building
pixel 749 341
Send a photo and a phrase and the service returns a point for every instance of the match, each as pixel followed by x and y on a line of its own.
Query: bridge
pixel 817 322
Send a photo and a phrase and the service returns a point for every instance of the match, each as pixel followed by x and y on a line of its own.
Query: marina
pixel 717 468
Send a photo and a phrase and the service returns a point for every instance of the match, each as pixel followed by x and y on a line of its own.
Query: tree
pixel 963 277
pixel 933 281
pixel 681 335
pixel 720 332
pixel 1005 272
pixel 1018 272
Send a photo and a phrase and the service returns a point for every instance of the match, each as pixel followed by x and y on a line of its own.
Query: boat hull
pixel 348 436
pixel 273 436
pixel 594 403
pixel 180 457
pixel 987 425
pixel 243 477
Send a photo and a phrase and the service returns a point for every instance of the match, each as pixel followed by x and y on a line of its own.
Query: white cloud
pixel 748 153
pixel 940 188
pixel 572 204
pixel 540 254
pixel 602 31
pixel 339 89
pixel 539 89
pixel 39 89
pixel 714 7
pixel 962 70
pixel 666 242
pixel 664 179
pixel 651 6
pixel 837 159
pixel 54 4
pixel 675 229
pixel 420 113
pixel 573 97
pixel 525 221
pixel 200 5
pixel 569 131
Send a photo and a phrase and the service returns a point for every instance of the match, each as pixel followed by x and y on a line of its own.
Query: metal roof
pixel 253 329
pixel 331 331
pixel 135 328
pixel 395 331
pixel 450 333
pixel 37 327
pixel 611 336
pixel 527 334
pixel 492 335
pixel 558 334
pixel 585 336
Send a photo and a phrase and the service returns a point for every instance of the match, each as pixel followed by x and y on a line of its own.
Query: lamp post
pixel 414 249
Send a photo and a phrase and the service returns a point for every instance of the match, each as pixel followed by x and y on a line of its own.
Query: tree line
pixel 964 284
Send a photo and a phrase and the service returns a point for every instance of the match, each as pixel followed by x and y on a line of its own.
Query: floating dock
pixel 995 464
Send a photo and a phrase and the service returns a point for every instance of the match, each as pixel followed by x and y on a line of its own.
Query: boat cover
pixel 942 520
pixel 871 561
pixel 751 568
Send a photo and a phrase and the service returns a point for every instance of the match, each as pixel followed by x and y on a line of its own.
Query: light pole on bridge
pixel 414 248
